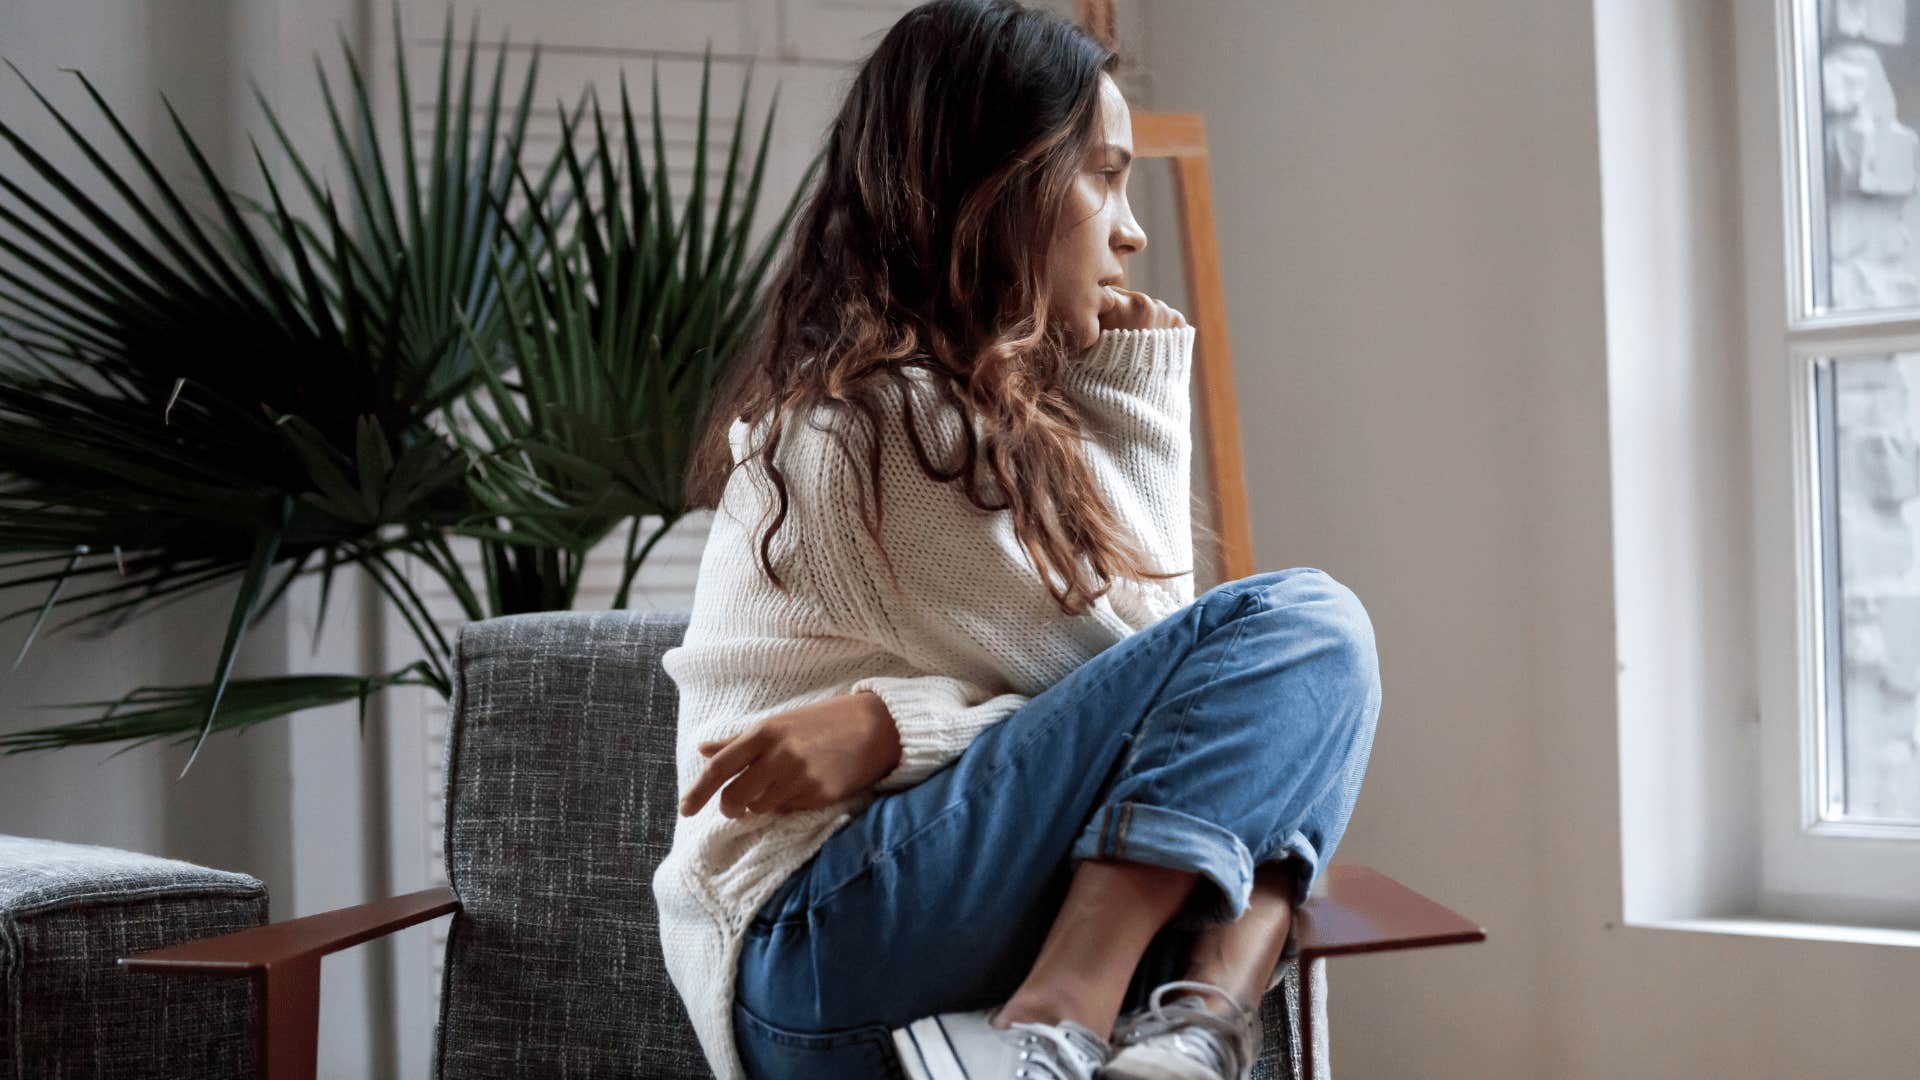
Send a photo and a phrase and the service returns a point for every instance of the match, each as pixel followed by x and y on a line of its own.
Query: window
pixel 1831 165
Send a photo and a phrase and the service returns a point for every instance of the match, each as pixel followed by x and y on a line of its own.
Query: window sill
pixel 1796 929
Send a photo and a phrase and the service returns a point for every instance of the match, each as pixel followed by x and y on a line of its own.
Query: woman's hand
pixel 802 759
pixel 1126 309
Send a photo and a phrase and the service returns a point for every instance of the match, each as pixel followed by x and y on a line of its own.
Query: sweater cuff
pixel 1141 604
pixel 1149 363
pixel 935 721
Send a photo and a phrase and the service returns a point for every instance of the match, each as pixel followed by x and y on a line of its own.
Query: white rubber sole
pixel 925 1051
pixel 1150 1063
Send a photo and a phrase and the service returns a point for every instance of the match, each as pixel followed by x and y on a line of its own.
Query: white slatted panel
pixel 563 77
pixel 837 30
pixel 624 27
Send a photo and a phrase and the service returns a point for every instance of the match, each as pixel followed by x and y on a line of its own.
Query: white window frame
pixel 1812 869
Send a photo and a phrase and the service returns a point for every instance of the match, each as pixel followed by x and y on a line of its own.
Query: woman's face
pixel 1097 230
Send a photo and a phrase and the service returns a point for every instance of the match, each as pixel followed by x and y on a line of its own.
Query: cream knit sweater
pixel 973 634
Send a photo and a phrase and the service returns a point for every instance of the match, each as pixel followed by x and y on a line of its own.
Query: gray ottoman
pixel 68 912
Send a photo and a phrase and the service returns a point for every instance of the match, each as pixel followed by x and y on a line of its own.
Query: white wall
pixel 1413 248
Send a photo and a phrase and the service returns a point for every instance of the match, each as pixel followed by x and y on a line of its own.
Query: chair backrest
pixel 561 800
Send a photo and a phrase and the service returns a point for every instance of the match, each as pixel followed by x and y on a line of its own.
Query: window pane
pixel 1863 99
pixel 1869 408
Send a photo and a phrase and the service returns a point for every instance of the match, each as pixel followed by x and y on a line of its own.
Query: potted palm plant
pixel 203 386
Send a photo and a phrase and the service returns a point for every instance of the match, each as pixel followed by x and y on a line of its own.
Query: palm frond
pixel 622 339
pixel 136 412
pixel 158 712
pixel 217 384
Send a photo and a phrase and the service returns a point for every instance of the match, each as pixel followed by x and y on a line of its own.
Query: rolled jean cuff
pixel 1138 832
pixel 1304 859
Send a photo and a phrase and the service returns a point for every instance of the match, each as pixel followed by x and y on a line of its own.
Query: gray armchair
pixel 561 799
pixel 68 912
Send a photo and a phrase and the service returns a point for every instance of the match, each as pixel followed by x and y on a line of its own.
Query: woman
pixel 972 782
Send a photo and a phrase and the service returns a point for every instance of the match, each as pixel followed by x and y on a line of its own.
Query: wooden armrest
pixel 1363 910
pixel 1357 909
pixel 284 960
pixel 257 948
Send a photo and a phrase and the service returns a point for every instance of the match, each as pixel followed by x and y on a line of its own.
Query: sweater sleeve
pixel 1134 387
pixel 968 625
pixel 937 716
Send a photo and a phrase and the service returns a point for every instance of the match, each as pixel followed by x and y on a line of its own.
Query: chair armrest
pixel 1362 910
pixel 1358 909
pixel 245 952
pixel 284 960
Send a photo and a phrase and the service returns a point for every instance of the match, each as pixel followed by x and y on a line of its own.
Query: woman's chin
pixel 1090 332
pixel 1084 332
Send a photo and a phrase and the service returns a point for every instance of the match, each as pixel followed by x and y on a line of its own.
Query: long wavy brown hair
pixel 925 246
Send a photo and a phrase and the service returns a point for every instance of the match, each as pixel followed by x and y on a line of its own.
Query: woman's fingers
pixel 749 787
pixel 735 756
pixel 1130 309
pixel 1124 309
pixel 777 798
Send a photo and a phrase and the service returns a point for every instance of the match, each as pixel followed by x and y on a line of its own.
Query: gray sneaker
pixel 966 1046
pixel 1184 1039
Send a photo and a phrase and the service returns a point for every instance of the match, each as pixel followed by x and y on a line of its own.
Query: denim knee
pixel 1315 596
pixel 1319 596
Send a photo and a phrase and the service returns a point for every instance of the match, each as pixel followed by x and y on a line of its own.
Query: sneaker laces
pixel 1225 1043
pixel 1068 1050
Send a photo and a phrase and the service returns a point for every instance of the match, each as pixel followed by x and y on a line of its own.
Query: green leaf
pixel 375 462
pixel 150 713
pixel 47 606
pixel 263 551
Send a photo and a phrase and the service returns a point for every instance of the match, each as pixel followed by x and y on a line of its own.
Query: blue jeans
pixel 1232 733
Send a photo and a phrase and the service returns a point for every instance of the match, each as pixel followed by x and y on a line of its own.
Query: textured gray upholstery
pixel 561 801
pixel 68 1011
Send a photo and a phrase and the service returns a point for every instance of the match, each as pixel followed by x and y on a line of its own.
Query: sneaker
pixel 966 1046
pixel 1184 1039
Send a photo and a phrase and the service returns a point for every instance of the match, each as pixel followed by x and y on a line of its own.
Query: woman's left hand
pixel 802 759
